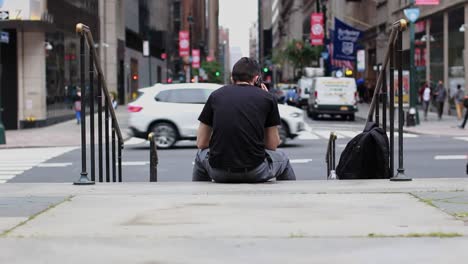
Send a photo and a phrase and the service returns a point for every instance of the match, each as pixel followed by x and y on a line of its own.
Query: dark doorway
pixel 9 82
pixel 121 83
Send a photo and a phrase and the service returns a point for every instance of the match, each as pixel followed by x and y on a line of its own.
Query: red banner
pixel 184 43
pixel 427 2
pixel 316 29
pixel 195 58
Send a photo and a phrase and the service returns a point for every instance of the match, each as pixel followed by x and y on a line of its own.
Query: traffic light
pixel 265 69
pixel 217 73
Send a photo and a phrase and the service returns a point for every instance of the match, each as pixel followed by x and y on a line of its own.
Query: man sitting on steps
pixel 238 133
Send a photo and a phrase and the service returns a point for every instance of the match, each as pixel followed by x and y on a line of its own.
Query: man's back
pixel 238 115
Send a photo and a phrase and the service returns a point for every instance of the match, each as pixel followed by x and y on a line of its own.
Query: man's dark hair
pixel 245 70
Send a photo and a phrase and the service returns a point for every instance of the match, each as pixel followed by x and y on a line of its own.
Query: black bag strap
pixel 369 126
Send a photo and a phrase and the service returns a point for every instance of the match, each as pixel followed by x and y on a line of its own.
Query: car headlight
pixel 295 114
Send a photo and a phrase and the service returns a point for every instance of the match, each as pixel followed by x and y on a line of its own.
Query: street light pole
pixel 2 127
pixel 413 88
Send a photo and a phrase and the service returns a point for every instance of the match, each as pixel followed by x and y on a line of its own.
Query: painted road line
pixel 54 165
pixel 405 135
pixel 450 157
pixel 135 163
pixel 134 141
pixel 307 136
pixel 323 133
pixel 9 172
pixel 6 177
pixel 3 181
pixel 22 168
pixel 299 161
pixel 341 145
pixel 347 133
pixel 461 138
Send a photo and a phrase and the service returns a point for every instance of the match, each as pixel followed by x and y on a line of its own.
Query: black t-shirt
pixel 239 115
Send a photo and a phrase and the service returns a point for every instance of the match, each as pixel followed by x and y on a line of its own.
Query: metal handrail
pixel 83 29
pixel 330 156
pixel 94 65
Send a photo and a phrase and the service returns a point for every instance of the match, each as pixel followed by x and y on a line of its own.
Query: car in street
pixel 333 96
pixel 171 112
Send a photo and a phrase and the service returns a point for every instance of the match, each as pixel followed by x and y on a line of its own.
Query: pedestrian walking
pixel 238 133
pixel 77 107
pixel 465 103
pixel 440 94
pixel 426 99
pixel 458 99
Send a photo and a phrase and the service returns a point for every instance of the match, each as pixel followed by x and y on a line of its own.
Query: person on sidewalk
pixel 440 94
pixel 426 99
pixel 238 133
pixel 465 103
pixel 458 99
pixel 77 107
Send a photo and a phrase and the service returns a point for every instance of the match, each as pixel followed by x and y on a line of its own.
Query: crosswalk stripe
pixel 9 172
pixel 461 138
pixel 54 165
pixel 307 135
pixel 347 133
pixel 322 133
pixel 295 161
pixel 135 163
pixel 450 157
pixel 6 177
pixel 16 161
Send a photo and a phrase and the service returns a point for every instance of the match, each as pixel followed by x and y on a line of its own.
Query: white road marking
pixel 341 145
pixel 405 135
pixel 450 157
pixel 322 133
pixel 307 136
pixel 134 141
pixel 296 161
pixel 54 165
pixel 16 161
pixel 346 133
pixel 462 138
pixel 135 163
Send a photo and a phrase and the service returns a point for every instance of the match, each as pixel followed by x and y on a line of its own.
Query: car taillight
pixel 355 95
pixel 134 108
pixel 315 94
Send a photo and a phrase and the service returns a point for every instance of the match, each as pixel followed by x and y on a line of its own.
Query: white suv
pixel 171 111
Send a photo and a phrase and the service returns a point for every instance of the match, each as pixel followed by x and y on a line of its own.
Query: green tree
pixel 299 53
pixel 214 71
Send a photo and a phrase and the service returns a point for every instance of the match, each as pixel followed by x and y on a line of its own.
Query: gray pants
pixel 276 165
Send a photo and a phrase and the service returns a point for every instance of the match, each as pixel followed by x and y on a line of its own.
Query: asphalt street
pixel 425 157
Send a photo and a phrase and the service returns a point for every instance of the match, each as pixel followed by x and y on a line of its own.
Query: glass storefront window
pixel 456 46
pixel 436 38
pixel 62 73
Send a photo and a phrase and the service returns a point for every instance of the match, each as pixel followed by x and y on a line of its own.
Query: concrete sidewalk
pixel 433 126
pixel 423 221
pixel 66 133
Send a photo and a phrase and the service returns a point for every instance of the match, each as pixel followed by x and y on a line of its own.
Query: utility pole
pixel 2 127
pixel 260 33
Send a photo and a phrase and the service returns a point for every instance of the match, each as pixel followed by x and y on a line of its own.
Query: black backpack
pixel 366 156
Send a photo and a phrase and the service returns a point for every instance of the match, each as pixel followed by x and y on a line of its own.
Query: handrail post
pixel 153 159
pixel 401 170
pixel 114 170
pixel 330 157
pixel 119 159
pixel 91 115
pixel 392 110
pixel 383 96
pixel 99 101
pixel 84 175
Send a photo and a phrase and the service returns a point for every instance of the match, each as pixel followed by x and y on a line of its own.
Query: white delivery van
pixel 304 85
pixel 332 96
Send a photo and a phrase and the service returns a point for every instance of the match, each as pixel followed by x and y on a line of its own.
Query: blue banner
pixel 345 41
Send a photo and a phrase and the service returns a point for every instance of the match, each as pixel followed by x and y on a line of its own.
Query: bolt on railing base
pixel 401 176
pixel 84 180
pixel 332 175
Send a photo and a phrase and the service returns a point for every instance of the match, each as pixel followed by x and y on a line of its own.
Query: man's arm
pixel 203 136
pixel 272 139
